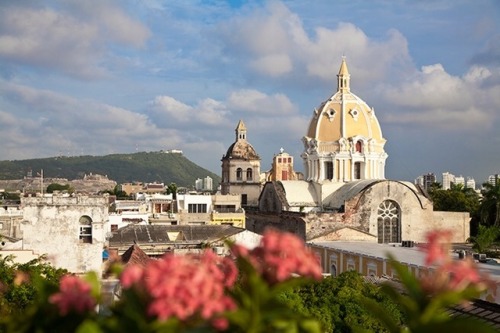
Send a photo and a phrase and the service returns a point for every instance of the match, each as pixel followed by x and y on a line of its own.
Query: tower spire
pixel 343 77
pixel 241 131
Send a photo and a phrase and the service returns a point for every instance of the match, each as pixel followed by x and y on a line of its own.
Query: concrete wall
pixel 51 226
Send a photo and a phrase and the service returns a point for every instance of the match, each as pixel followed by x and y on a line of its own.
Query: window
pixel 239 174
pixel 244 199
pixel 197 208
pixel 249 174
pixel 388 222
pixel 329 170
pixel 85 235
pixel 357 170
pixel 225 208
pixel 359 145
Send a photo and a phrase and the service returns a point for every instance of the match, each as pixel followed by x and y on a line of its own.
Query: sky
pixel 101 77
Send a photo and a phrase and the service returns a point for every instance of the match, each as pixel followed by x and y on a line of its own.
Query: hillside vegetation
pixel 142 167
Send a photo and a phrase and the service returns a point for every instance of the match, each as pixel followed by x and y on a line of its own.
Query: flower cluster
pixel 74 296
pixel 184 286
pixel 448 274
pixel 279 256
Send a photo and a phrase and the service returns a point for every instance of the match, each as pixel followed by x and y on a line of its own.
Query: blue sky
pixel 101 77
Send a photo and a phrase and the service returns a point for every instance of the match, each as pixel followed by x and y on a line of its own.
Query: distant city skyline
pixel 102 77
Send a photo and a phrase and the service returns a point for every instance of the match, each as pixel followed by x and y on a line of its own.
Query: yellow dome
pixel 344 115
pixel 344 141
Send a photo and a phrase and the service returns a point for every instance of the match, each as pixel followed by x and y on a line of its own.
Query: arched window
pixel 239 174
pixel 359 146
pixel 249 174
pixel 85 229
pixel 388 221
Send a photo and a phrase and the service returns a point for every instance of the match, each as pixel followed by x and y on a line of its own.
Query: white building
pixel 205 184
pixel 448 179
pixel 69 230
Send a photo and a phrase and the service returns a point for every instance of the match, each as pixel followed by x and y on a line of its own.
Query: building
pixel 470 183
pixel 460 180
pixel 371 260
pixel 494 179
pixel 426 181
pixel 241 169
pixel 344 141
pixel 344 194
pixel 448 180
pixel 69 230
pixel 282 168
pixel 204 185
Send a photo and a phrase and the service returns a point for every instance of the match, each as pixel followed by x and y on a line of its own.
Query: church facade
pixel 344 194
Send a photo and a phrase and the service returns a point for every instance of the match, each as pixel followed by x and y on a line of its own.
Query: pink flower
pixel 437 247
pixel 448 275
pixel 74 295
pixel 131 275
pixel 185 286
pixel 463 273
pixel 280 255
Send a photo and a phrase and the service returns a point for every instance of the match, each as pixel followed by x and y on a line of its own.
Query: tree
pixel 335 302
pixel 59 187
pixel 490 204
pixel 18 282
pixel 485 238
pixel 172 188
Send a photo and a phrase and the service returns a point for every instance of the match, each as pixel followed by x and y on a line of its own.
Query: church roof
pixel 164 234
pixel 344 115
pixel 242 150
pixel 299 193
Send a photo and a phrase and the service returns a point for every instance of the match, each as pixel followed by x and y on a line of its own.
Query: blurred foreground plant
pixel 426 300
pixel 184 293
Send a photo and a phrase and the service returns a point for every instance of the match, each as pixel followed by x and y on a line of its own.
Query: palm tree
pixel 490 204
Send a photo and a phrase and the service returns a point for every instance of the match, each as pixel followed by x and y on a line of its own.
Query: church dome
pixel 242 150
pixel 344 115
pixel 344 140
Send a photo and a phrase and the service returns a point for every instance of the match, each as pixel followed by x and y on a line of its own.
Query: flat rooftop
pixel 407 255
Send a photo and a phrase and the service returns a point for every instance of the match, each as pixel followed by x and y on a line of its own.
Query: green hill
pixel 143 167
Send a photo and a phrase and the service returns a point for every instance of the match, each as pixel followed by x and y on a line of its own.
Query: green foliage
pixel 18 281
pixel 59 187
pixel 490 204
pixel 456 199
pixel 123 168
pixel 423 312
pixel 485 238
pixel 172 189
pixel 336 303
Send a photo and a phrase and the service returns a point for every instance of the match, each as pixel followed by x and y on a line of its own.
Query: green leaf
pixel 88 326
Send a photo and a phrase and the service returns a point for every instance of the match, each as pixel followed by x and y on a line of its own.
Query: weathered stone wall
pixel 51 226
pixel 290 222
pixel 457 222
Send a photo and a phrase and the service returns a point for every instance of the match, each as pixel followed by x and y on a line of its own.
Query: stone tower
pixel 241 169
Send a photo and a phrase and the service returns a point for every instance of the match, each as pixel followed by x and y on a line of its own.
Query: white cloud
pixel 62 40
pixel 273 64
pixel 273 42
pixel 168 111
pixel 256 102
pixel 438 99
